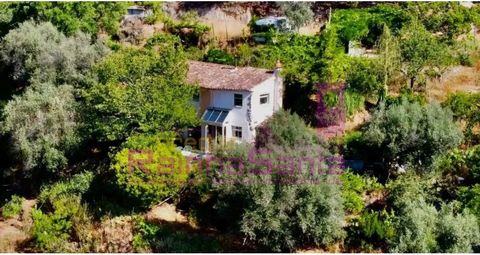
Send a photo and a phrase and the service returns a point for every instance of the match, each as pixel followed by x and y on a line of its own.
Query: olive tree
pixel 41 52
pixel 282 193
pixel 410 133
pixel 299 13
pixel 42 125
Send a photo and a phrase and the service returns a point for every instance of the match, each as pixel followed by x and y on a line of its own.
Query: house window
pixel 238 100
pixel 264 98
pixel 237 131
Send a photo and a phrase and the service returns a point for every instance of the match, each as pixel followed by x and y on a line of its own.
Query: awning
pixel 215 116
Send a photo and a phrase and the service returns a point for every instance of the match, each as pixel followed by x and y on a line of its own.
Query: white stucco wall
pixel 238 116
pixel 260 112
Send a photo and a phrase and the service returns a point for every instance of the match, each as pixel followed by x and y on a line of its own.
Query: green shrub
pixel 284 218
pixel 406 95
pixel 456 232
pixel 412 134
pixel 58 231
pixel 189 29
pixel 372 228
pixel 149 168
pixel 194 53
pixel 420 227
pixel 464 107
pixel 407 189
pixel 77 185
pixel 354 188
pixel 415 228
pixel 465 163
pixel 220 57
pixel 364 77
pixel 13 207
pixel 149 237
pixel 284 129
pixel 260 192
pixel 470 198
pixel 278 211
pixel 159 39
pixel 354 102
pixel 355 147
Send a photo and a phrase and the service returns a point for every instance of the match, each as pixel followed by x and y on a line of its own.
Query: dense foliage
pixel 141 90
pixel 279 207
pixel 149 168
pixel 88 127
pixel 42 126
pixel 412 134
pixel 13 207
pixel 40 52
pixel 69 17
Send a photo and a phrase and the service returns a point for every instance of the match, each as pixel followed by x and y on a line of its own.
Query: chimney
pixel 277 88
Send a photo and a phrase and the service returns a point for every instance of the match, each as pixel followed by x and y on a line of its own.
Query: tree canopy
pixel 42 124
pixel 38 51
pixel 142 90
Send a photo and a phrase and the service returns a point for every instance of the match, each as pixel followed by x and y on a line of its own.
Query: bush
pixel 41 52
pixel 194 53
pixel 372 228
pixel 189 29
pixel 412 134
pixel 415 228
pixel 150 168
pixel 420 227
pixel 264 192
pixel 220 57
pixel 364 77
pixel 295 216
pixel 464 163
pixel 464 107
pixel 354 188
pixel 149 237
pixel 456 233
pixel 66 229
pixel 470 198
pixel 46 142
pixel 283 210
pixel 406 95
pixel 13 207
pixel 354 102
pixel 406 189
pixel 77 185
pixel 284 129
pixel 159 39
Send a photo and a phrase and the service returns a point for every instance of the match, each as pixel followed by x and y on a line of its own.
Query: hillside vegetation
pixel 90 107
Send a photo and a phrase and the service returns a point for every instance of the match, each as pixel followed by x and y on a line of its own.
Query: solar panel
pixel 222 116
pixel 216 116
pixel 207 115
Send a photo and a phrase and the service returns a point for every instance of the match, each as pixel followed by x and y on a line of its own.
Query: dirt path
pixel 14 231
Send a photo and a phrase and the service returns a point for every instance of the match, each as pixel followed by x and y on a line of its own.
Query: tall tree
pixel 41 52
pixel 412 134
pixel 142 90
pixel 419 51
pixel 389 52
pixel 42 126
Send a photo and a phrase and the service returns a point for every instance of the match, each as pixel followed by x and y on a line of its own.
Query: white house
pixel 233 101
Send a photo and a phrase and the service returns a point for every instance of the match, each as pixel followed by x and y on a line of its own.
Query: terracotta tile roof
pixel 224 77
